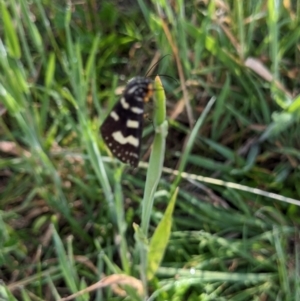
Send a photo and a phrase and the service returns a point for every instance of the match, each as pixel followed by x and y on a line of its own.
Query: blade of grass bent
pixel 191 140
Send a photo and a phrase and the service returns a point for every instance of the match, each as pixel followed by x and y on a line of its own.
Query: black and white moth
pixel 122 128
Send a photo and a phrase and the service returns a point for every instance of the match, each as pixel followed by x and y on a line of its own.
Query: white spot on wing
pixel 132 89
pixel 124 104
pixel 134 155
pixel 132 124
pixel 114 115
pixel 118 136
pixel 137 110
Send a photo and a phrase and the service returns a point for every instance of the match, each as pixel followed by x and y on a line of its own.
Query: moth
pixel 122 129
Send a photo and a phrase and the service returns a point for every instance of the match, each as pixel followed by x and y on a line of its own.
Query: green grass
pixel 224 161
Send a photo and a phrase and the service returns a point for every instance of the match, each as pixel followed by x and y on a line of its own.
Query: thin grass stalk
pixel 157 154
pixel 154 171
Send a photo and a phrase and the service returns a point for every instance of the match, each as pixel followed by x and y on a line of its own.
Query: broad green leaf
pixel 160 239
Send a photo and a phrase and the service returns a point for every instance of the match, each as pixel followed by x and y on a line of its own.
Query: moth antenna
pixel 156 64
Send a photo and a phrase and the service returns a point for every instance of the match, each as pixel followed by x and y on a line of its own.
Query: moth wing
pixel 122 131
